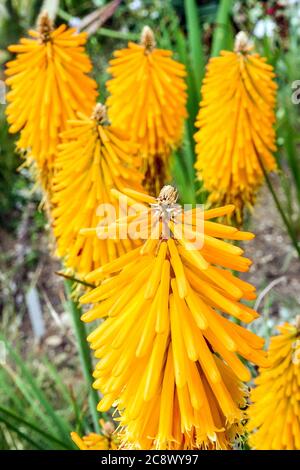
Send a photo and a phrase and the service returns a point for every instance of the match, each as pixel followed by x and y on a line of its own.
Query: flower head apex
pixel 168 195
pixel 44 27
pixel 148 39
pixel 242 43
pixel 166 208
pixel 99 113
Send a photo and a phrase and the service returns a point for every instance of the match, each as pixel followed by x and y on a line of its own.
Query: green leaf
pixel 10 415
pixel 26 392
pixel 195 42
pixel 193 91
pixel 84 353
pixel 61 387
pixel 22 435
pixel 223 30
pixel 34 389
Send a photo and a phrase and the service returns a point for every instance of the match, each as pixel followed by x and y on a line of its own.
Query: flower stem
pixel 75 279
pixel 126 36
pixel 84 353
pixel 117 34
pixel 222 33
pixel 286 222
pixel 195 41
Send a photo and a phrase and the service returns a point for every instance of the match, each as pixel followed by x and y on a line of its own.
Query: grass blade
pixel 61 387
pixel 33 427
pixel 84 353
pixel 195 41
pixel 223 30
pixel 36 391
pixel 22 435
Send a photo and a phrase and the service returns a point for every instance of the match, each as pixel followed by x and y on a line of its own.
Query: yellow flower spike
pixel 275 412
pixel 92 158
pixel 48 84
pixel 169 359
pixel 105 441
pixel 236 119
pixel 147 101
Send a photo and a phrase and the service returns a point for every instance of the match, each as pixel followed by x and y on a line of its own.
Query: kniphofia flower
pixel 147 101
pixel 168 357
pixel 275 412
pixel 236 119
pixel 49 83
pixel 92 158
pixel 105 441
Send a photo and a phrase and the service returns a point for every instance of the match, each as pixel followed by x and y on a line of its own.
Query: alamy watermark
pixel 295 98
pixel 162 221
pixel 2 92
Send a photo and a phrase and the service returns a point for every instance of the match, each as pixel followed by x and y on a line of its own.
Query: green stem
pixel 64 15
pixel 222 30
pixel 75 279
pixel 285 220
pixel 193 91
pixel 195 42
pixel 84 353
pixel 118 34
pixel 103 31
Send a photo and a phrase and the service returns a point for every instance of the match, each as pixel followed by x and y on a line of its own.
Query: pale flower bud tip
pixel 242 42
pixel 148 39
pixel 168 195
pixel 99 113
pixel 44 26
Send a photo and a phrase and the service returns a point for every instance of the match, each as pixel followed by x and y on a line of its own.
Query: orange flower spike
pixel 169 360
pixel 147 100
pixel 235 122
pixel 48 84
pixel 275 412
pixel 93 158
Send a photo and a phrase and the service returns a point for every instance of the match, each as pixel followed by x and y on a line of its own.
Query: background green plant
pixel 37 409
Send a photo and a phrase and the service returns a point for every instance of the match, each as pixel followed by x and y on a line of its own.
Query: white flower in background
pixel 74 22
pixel 154 15
pixel 290 2
pixel 264 27
pixel 135 5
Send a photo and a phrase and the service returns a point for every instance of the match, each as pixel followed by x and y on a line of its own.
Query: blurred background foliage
pixel 42 392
